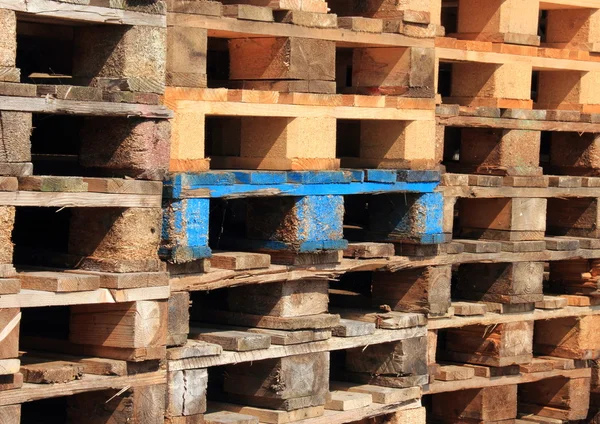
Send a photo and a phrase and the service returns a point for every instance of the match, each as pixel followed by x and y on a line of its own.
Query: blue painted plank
pixel 317 177
pixel 381 175
pixel 260 177
pixel 255 190
pixel 207 178
pixel 355 175
pixel 303 247
pixel 414 176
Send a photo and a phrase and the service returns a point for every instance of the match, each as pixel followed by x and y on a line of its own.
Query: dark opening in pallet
pixel 47 411
pixel 217 63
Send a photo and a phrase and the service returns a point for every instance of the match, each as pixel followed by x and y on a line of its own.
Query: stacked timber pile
pixel 299 211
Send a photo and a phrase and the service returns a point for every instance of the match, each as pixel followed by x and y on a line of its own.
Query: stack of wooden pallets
pixel 299 211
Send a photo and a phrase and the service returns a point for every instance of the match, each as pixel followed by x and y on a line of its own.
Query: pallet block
pixel 8 46
pixel 9 327
pixel 513 21
pixel 500 152
pixel 132 147
pixel 574 153
pixel 288 383
pixel 502 345
pixel 390 145
pixel 573 217
pixel 425 290
pixel 569 90
pixel 15 144
pixel 185 230
pixel 186 393
pixel 116 239
pixel 405 217
pixel 560 398
pixel 281 59
pixel 300 224
pixel 402 363
pixel 512 283
pixel 485 405
pixel 394 71
pixel 186 56
pixel 506 85
pixel 573 29
pixel 178 327
pixel 569 337
pixel 129 58
pixel 143 404
pixel 288 299
pixel 123 327
pixel 271 143
pixel 505 219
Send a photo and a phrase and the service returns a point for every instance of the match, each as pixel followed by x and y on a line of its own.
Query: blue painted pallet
pixel 310 204
pixel 224 184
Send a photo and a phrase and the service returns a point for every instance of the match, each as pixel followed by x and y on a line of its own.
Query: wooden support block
pixel 575 217
pixel 466 309
pixel 10 286
pixel 288 299
pixel 505 219
pixel 569 337
pixel 132 147
pixel 132 57
pixel 275 143
pixel 577 300
pixel 369 250
pixel 388 144
pixel 561 398
pixel 394 71
pixel 116 239
pixel 351 328
pixel 178 319
pixel 306 19
pixel 571 90
pixel 10 414
pixel 239 261
pixel 551 302
pixel 142 404
pixel 573 29
pixel 281 58
pixel 225 417
pixel 8 45
pixel 386 320
pixel 7 221
pixel 399 217
pixel 504 344
pixel 564 181
pixel 11 381
pixel 289 257
pixel 298 224
pixel 238 341
pixel 58 281
pixel 454 373
pixel 498 21
pixel 489 404
pixel 186 392
pixel 15 131
pixel 523 246
pixel 489 372
pixel 425 290
pixel 485 180
pixel 124 325
pixel 500 152
pixel 186 56
pixel 345 401
pixel 486 84
pixel 509 308
pixel 285 383
pixel 10 319
pixel 38 371
pixel 404 357
pixel 516 282
pixel 126 280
